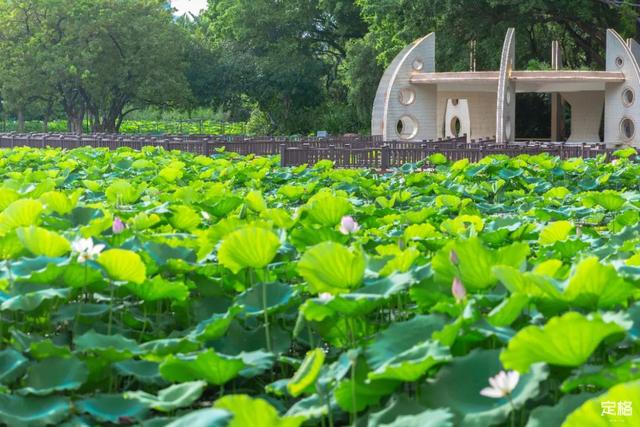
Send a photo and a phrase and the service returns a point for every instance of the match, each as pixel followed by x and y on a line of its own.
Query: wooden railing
pixel 345 152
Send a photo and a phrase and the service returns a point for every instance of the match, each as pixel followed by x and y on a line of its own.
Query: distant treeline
pixel 285 66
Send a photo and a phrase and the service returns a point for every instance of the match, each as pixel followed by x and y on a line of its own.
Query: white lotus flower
pixel 325 297
pixel 501 385
pixel 86 250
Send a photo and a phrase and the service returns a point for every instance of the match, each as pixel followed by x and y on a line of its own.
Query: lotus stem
pixel 267 332
pixel 111 296
pixel 354 412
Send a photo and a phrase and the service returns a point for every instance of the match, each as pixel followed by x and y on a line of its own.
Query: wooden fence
pixel 345 152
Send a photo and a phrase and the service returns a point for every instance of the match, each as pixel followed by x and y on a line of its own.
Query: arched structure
pixel 415 103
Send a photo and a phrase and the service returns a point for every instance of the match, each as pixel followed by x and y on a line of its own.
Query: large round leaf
pixel 277 295
pixel 246 411
pixel 206 365
pixel 208 417
pixel 21 213
pixel 568 340
pixel 124 265
pixel 332 267
pixel 12 365
pixel 327 209
pixel 55 374
pixel 42 242
pixel 250 246
pixel 170 398
pixel 145 371
pixel 544 416
pixel 17 411
pixel 613 408
pixel 594 285
pixel 457 386
pixel 112 408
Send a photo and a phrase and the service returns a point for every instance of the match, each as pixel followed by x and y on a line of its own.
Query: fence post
pixel 283 153
pixel 385 157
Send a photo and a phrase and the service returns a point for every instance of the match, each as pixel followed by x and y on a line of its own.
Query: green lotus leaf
pixel 332 267
pixel 277 295
pixel 161 253
pixel 603 377
pixel 208 417
pixel 83 216
pixel 206 365
pixel 257 362
pixel 428 418
pixel 33 300
pixel 145 371
pixel 420 231
pixel 18 411
pixel 221 206
pixel 307 373
pixel 158 288
pixel 413 363
pixel 215 326
pixel 55 374
pixel 42 242
pixel 508 310
pixel 544 416
pixel 279 217
pixel 58 202
pixel 398 405
pixel 594 285
pixel 405 343
pixel 366 392
pixel 462 223
pixel 255 201
pixel 311 407
pixel 247 410
pixel 249 246
pixel 527 283
pixel 604 409
pixel 555 232
pixel 110 347
pixel 166 346
pixel 12 365
pixel 327 209
pixel 7 196
pixel 46 348
pixel 121 191
pixel 170 398
pixel 72 310
pixel 239 339
pixel 609 199
pixel 568 340
pixel 10 246
pixel 124 265
pixel 21 213
pixel 185 218
pixel 476 262
pixel 112 408
pixel 448 201
pixel 468 405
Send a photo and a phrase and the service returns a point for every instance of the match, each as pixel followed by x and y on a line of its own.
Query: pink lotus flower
pixel 348 225
pixel 458 290
pixel 118 226
pixel 325 297
pixel 501 385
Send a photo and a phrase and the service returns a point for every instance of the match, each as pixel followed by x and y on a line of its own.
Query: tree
pixel 98 58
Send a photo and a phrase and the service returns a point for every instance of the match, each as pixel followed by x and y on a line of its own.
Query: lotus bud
pixel 118 225
pixel 453 257
pixel 457 289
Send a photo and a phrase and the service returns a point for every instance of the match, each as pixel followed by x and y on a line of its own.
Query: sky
pixel 189 6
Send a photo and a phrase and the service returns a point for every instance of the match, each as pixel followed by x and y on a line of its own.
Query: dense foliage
pixel 299 66
pixel 172 288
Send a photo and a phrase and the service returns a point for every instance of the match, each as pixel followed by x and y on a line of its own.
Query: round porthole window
pixel 628 97
pixel 417 64
pixel 627 129
pixel 407 127
pixel 407 96
pixel 619 61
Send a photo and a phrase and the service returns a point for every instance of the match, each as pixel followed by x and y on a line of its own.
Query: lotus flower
pixel 348 225
pixel 85 249
pixel 458 290
pixel 118 226
pixel 501 385
pixel 325 297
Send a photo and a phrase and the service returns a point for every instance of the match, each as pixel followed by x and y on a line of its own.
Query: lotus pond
pixel 162 288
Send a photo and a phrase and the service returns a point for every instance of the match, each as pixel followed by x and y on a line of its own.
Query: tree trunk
pixel 20 120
